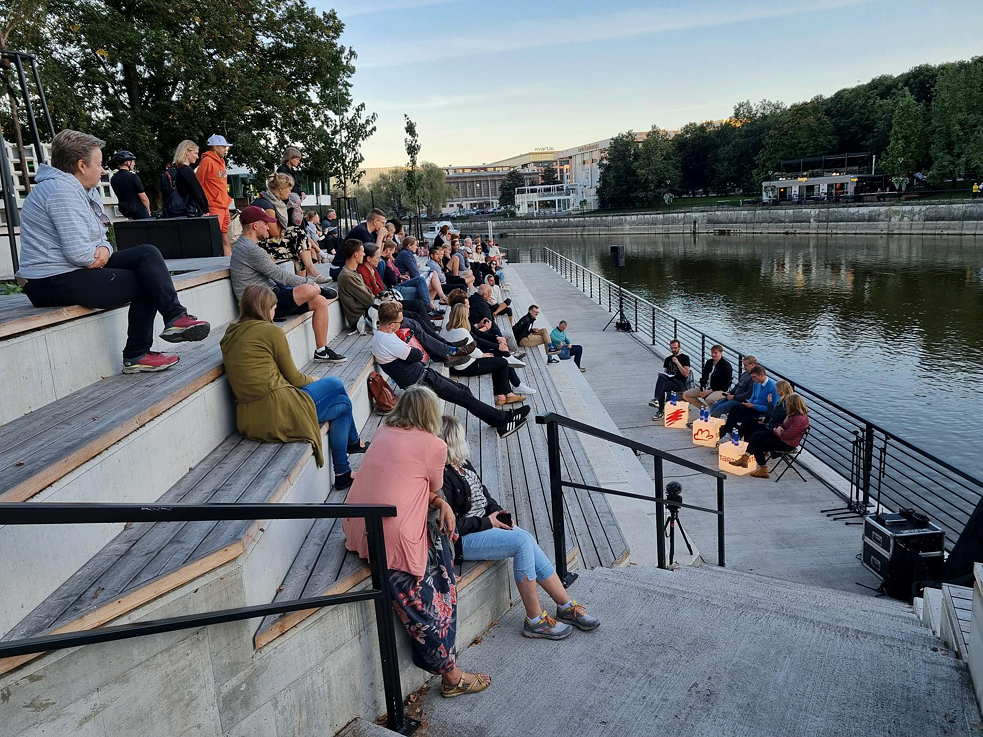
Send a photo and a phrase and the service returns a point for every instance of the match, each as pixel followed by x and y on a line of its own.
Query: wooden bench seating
pixel 146 560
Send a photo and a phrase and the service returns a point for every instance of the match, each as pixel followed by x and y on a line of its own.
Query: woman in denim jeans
pixel 486 532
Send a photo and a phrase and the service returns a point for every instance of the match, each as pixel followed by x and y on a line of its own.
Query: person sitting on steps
pixel 560 340
pixel 67 260
pixel 527 336
pixel 275 403
pixel 486 532
pixel 784 438
pixel 672 378
pixel 295 294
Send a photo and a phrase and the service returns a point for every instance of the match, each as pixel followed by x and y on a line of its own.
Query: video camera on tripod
pixel 674 500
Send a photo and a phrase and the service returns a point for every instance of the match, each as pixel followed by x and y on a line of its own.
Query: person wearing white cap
pixel 211 174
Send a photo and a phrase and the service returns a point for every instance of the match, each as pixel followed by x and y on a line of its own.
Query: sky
pixel 485 81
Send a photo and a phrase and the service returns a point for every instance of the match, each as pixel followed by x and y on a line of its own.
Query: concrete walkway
pixel 772 529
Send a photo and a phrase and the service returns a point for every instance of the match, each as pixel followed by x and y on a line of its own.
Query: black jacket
pixel 523 327
pixel 719 379
pixel 457 492
pixel 480 309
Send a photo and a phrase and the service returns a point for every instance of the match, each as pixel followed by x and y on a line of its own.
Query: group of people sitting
pixel 770 417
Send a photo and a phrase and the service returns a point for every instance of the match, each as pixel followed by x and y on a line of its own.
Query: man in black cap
pixel 133 200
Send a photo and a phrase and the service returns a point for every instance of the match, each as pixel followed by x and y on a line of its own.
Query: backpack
pixel 174 204
pixel 382 395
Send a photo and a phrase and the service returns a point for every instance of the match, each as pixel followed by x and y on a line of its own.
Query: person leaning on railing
pixel 784 438
pixel 404 467
pixel 487 533
pixel 66 258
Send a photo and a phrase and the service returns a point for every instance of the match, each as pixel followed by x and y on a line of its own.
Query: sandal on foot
pixel 514 398
pixel 478 683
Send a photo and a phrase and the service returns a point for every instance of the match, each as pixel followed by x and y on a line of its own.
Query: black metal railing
pixel 877 465
pixel 47 513
pixel 553 424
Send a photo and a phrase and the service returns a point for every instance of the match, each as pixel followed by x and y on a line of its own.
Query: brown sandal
pixel 477 684
pixel 514 399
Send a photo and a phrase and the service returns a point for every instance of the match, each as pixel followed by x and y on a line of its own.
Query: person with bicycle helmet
pixel 133 200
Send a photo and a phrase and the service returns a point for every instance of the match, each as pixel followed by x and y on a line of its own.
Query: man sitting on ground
pixel 404 365
pixel 741 391
pixel 672 378
pixel 764 393
pixel 714 381
pixel 528 336
pixel 66 259
pixel 250 264
pixel 560 340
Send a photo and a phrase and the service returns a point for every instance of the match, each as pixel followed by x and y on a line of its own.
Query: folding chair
pixel 788 457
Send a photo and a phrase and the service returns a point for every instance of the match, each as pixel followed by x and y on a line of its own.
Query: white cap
pixel 218 140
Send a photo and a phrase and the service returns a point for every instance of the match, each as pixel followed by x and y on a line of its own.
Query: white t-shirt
pixel 387 347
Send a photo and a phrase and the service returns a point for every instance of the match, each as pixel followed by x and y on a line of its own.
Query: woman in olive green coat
pixel 275 403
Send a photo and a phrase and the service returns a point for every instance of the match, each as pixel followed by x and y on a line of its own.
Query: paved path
pixel 772 529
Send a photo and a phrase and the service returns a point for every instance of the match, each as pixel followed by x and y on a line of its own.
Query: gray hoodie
pixel 59 229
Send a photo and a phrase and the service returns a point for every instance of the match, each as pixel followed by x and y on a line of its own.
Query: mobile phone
pixel 505 518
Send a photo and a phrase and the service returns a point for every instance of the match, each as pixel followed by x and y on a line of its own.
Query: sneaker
pixel 343 480
pixel 577 616
pixel 524 388
pixel 149 362
pixel 658 415
pixel 435 315
pixel 552 351
pixel 583 369
pixel 514 362
pixel 186 327
pixel 326 355
pixel 546 628
pixel 511 425
pixel 552 359
pixel 358 448
pixel 519 355
pixel 654 403
pixel 522 411
pixel 322 279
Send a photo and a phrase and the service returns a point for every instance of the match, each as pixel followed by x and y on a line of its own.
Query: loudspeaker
pixel 617 256
pixel 174 237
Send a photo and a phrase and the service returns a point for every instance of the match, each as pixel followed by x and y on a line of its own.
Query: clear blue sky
pixel 487 80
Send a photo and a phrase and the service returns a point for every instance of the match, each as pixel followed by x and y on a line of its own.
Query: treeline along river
pixel 891 327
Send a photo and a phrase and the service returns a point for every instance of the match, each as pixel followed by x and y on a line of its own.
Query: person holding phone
pixel 485 531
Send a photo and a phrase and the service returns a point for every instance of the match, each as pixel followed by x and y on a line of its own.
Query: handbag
pixel 406 335
pixel 381 394
pixel 564 353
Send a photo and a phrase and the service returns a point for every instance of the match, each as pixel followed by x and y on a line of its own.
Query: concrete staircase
pixel 708 651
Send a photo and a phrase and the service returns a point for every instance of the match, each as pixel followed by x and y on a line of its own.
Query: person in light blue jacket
pixel 762 396
pixel 66 258
pixel 559 340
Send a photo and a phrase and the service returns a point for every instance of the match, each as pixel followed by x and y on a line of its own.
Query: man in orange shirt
pixel 211 175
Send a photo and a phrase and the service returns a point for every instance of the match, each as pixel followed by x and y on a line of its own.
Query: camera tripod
pixel 670 530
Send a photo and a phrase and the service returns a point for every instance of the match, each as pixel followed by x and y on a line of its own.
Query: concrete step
pixel 364 728
pixel 932 610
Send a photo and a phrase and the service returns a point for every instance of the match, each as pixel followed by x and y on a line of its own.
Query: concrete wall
pixel 948 219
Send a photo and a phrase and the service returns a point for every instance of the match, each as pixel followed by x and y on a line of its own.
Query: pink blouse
pixel 401 467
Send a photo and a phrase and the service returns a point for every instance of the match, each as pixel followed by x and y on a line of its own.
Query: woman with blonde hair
pixel 275 403
pixel 783 438
pixel 181 192
pixel 487 532
pixel 286 241
pixel 405 468
pixel 457 332
pixel 773 417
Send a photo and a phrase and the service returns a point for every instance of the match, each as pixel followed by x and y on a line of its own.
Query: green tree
pixel 695 146
pixel 802 131
pixel 657 166
pixel 391 193
pixel 619 184
pixel 548 175
pixel 412 144
pixel 742 138
pixel 956 130
pixel 506 190
pixel 145 75
pixel 434 189
pixel 907 151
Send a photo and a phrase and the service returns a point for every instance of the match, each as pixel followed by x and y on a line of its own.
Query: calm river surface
pixel 891 327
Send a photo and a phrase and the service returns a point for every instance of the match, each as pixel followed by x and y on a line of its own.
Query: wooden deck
pixel 957 617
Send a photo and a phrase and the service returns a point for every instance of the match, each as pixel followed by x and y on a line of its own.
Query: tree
pixel 506 190
pixel 907 152
pixel 956 129
pixel 434 189
pixel 804 130
pixel 548 175
pixel 657 166
pixel 391 192
pixel 412 143
pixel 694 147
pixel 145 75
pixel 619 184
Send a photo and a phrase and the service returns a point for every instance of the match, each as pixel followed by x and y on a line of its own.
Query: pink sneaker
pixel 186 327
pixel 149 362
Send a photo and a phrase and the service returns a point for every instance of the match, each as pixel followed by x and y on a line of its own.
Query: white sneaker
pixel 524 389
pixel 515 362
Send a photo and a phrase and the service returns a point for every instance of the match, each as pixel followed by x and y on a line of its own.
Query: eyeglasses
pixel 100 214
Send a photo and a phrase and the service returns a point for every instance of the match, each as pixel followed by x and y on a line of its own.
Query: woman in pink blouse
pixel 784 438
pixel 404 467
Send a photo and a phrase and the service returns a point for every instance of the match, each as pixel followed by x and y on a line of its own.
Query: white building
pixel 547 198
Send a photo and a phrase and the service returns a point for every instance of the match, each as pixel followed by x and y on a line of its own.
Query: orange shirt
pixel 211 175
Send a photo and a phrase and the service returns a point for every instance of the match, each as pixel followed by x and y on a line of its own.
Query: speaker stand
pixel 622 325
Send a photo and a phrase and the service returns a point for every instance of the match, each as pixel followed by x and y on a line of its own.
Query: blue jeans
pixel 415 288
pixel 529 562
pixel 723 407
pixel 334 406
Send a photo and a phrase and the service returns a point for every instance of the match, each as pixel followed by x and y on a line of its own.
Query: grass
pixel 10 287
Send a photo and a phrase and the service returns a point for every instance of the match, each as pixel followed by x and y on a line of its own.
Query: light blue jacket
pixel 59 230
pixel 759 395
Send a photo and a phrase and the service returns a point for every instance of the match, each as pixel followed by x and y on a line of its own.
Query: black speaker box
pixel 617 256
pixel 174 237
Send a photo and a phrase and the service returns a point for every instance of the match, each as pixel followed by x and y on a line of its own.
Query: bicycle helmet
pixel 123 156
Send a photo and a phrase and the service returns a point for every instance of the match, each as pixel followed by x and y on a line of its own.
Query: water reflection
pixel 889 326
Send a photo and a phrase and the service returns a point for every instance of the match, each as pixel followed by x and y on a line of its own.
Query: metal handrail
pixel 58 513
pixel 553 422
pixel 839 423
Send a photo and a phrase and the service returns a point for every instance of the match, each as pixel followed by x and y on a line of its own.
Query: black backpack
pixel 175 206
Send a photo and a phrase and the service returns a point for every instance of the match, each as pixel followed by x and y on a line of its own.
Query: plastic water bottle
pixel 672 398
pixel 734 436
pixel 703 414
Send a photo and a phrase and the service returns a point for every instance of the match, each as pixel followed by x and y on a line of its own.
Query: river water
pixel 890 327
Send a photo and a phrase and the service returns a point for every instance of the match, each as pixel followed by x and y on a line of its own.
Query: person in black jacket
pixel 181 190
pixel 486 532
pixel 527 336
pixel 714 382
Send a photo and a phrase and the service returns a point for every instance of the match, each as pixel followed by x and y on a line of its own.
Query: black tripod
pixel 670 529
pixel 622 325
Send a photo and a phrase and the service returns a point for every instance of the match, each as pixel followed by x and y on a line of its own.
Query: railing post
pixel 556 496
pixel 635 300
pixel 868 451
pixel 675 329
pixel 721 558
pixel 378 564
pixel 660 515
pixel 703 349
pixel 653 326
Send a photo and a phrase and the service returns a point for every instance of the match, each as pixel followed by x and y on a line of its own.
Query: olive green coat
pixel 270 407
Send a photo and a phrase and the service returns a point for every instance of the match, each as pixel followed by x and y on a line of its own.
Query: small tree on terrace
pixel 506 190
pixel 548 175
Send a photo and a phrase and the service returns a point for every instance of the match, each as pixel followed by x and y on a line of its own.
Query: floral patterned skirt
pixel 289 245
pixel 427 607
